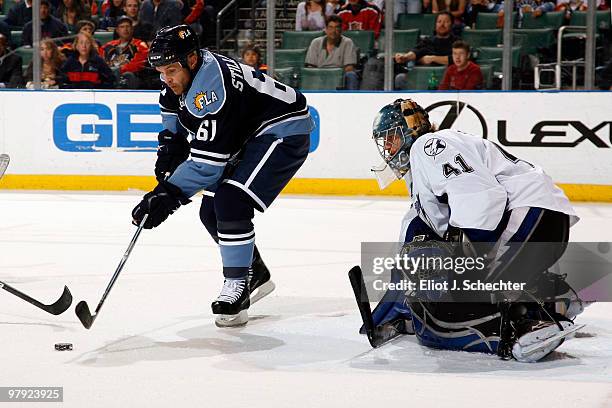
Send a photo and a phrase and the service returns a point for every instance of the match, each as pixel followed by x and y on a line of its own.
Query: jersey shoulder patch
pixel 207 93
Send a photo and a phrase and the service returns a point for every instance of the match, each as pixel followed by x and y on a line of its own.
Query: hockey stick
pixel 377 335
pixel 4 162
pixel 82 309
pixel 64 301
pixel 59 307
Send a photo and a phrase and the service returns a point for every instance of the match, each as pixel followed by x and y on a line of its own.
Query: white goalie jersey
pixel 468 182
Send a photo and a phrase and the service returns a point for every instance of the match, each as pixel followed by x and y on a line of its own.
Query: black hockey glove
pixel 172 151
pixel 164 200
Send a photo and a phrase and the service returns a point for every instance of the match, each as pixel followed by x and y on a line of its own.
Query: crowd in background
pixel 75 59
pixel 70 55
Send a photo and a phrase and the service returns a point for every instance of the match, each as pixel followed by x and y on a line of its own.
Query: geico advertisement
pixel 64 132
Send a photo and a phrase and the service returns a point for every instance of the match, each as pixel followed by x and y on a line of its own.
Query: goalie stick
pixel 4 162
pixel 82 309
pixel 377 335
pixel 59 307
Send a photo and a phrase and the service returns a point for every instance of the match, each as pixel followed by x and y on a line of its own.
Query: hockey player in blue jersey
pixel 235 133
pixel 466 189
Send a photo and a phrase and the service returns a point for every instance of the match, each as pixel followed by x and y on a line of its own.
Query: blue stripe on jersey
pixel 170 122
pixel 300 125
pixel 192 177
pixel 528 225
pixel 479 235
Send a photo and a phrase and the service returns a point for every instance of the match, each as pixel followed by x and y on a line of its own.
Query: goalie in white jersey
pixel 468 189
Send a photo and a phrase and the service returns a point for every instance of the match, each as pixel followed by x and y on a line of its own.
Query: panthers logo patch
pixel 204 98
pixel 199 100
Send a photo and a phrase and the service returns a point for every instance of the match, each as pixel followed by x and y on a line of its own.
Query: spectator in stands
pixel 455 7
pixel 10 67
pixel 433 50
pixel 192 13
pixel 126 56
pixel 409 7
pixel 142 31
pixel 19 14
pixel 336 5
pixel 51 26
pixel 310 15
pixel 112 12
pixel 51 60
pixel 83 26
pixel 482 6
pixel 160 13
pixel 85 69
pixel 70 12
pixel 361 16
pixel 530 8
pixel 334 51
pixel 463 74
pixel 251 55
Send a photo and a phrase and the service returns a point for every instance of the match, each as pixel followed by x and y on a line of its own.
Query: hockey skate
pixel 537 339
pixel 260 285
pixel 232 303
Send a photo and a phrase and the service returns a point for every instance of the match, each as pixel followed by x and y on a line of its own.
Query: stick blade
pixel 4 162
pixel 62 304
pixel 84 314
pixel 377 335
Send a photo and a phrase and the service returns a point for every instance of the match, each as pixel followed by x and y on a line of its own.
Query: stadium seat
pixel 299 39
pixel 289 58
pixel 403 40
pixel 488 21
pixel 364 40
pixel 418 78
pixel 494 56
pixel 103 36
pixel 552 19
pixel 322 79
pixel 602 19
pixel 424 22
pixel 482 38
pixel 26 55
pixel 285 75
pixel 532 40
pixel 6 5
pixel 487 75
pixel 16 37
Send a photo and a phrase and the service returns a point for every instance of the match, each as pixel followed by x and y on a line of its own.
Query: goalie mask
pixel 395 129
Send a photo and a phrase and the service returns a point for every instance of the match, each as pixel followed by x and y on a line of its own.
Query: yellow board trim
pixel 317 186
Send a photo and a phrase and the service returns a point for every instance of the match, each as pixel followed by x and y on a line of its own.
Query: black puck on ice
pixel 63 346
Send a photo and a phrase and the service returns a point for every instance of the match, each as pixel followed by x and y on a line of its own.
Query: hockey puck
pixel 63 346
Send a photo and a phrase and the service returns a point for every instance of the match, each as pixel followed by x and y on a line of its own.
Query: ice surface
pixel 155 343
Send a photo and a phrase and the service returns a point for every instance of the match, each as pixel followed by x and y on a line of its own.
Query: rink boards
pixel 106 140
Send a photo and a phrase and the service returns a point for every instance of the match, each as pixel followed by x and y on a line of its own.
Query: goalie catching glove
pixel 164 200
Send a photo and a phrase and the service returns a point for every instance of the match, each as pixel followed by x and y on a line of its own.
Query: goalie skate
pixel 544 338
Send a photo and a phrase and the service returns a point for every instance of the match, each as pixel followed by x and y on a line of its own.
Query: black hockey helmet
pixel 173 44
